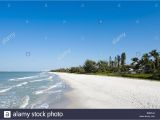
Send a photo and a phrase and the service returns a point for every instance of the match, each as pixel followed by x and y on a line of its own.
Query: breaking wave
pixel 46 90
pixel 24 78
pixel 8 89
pixel 5 90
pixel 21 84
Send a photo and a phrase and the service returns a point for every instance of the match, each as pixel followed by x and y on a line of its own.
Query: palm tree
pixel 145 58
pixel 135 60
pixel 155 55
pixel 146 63
pixel 115 62
pixel 110 62
pixel 123 58
pixel 123 62
pixel 136 64
pixel 118 60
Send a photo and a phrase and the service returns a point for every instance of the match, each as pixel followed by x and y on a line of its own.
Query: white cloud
pixel 64 54
pixel 118 38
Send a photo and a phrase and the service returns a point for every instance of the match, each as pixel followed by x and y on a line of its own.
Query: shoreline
pixel 94 91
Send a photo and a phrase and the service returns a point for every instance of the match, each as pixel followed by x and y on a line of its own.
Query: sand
pixel 93 91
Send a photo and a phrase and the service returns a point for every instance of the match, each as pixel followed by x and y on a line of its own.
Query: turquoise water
pixel 30 89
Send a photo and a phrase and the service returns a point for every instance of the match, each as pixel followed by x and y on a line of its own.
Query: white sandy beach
pixel 92 91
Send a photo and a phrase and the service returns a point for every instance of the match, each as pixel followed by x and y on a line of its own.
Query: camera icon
pixel 7 114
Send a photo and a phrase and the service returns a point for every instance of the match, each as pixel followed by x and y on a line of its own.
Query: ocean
pixel 31 90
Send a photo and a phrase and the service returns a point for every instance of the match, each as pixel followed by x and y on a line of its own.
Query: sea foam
pixel 5 90
pixel 23 78
pixel 25 101
pixel 45 90
pixel 38 80
pixel 45 106
pixel 9 88
pixel 21 84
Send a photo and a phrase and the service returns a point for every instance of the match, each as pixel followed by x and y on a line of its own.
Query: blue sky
pixel 49 35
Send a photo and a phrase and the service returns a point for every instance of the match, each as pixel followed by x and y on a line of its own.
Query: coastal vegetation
pixel 146 67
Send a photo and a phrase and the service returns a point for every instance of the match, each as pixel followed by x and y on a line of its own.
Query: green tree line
pixel 147 66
